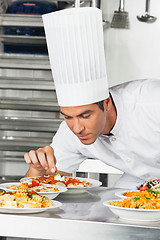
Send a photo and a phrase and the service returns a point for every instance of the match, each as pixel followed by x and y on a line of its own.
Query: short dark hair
pixel 101 103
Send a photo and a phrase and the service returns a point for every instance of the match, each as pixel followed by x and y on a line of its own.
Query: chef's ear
pixel 107 104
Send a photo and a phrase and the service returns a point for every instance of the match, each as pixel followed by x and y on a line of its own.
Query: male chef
pixel 119 126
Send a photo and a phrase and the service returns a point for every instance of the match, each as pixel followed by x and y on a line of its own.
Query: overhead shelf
pixel 22 144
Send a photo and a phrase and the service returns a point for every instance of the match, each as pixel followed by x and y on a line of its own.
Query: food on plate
pixel 141 200
pixel 64 181
pixel 147 194
pixel 26 187
pixel 153 183
pixel 24 200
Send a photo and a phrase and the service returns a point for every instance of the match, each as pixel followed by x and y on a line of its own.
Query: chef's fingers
pixel 51 159
pixel 42 157
pixel 27 158
pixel 34 158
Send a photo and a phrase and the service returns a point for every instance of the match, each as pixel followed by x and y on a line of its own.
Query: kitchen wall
pixel 132 53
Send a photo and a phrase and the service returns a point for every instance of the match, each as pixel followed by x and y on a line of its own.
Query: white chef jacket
pixel 134 147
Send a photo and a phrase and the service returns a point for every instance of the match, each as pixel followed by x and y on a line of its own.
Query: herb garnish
pixel 136 198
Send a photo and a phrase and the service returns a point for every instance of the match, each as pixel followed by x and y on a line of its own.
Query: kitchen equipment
pixel 120 18
pixel 27 7
pixel 146 17
pixel 3 6
pixel 106 24
pixel 77 3
pixel 31 7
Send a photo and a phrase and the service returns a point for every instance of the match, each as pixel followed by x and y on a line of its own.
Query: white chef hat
pixel 76 51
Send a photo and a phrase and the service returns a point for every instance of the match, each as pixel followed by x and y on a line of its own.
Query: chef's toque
pixel 76 52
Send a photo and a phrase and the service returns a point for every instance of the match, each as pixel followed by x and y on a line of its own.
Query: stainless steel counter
pixel 81 216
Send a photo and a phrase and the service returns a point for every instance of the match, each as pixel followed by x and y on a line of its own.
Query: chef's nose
pixel 77 126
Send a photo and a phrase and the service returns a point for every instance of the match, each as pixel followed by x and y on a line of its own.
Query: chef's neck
pixel 111 115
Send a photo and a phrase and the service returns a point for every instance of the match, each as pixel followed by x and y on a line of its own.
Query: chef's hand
pixel 42 161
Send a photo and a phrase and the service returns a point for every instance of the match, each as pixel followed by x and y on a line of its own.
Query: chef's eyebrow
pixel 80 115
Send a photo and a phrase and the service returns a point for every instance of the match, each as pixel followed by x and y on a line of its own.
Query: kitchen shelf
pixel 8 178
pixel 12 159
pixel 24 61
pixel 23 83
pixel 29 104
pixel 29 112
pixel 22 20
pixel 22 144
pixel 29 124
pixel 22 39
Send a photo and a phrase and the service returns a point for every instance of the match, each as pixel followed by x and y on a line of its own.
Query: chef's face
pixel 89 121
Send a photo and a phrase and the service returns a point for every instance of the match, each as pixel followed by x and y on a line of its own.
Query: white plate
pixel 73 190
pixel 56 204
pixel 76 190
pixel 120 193
pixel 50 195
pixel 27 179
pixel 134 214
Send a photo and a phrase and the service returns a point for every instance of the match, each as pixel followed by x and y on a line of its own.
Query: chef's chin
pixel 87 141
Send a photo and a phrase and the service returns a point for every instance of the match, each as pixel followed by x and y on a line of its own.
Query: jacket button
pixel 113 139
pixel 128 160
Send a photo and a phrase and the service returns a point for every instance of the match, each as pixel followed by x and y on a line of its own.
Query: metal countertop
pixel 81 216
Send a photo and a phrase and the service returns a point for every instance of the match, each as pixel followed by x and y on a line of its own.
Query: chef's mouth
pixel 83 137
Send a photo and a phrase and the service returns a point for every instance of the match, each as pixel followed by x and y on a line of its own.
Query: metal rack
pixel 29 113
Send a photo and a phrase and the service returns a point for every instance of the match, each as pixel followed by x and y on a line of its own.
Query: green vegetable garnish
pixel 146 197
pixel 59 174
pixel 152 191
pixel 156 192
pixel 148 190
pixel 136 198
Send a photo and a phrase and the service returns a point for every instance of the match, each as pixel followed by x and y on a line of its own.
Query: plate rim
pixel 61 189
pixel 106 204
pixel 30 210
pixel 119 193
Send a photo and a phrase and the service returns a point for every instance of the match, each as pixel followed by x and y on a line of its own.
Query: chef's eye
pixel 86 116
pixel 67 117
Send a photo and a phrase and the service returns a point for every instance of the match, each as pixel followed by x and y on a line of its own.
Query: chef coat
pixel 133 147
